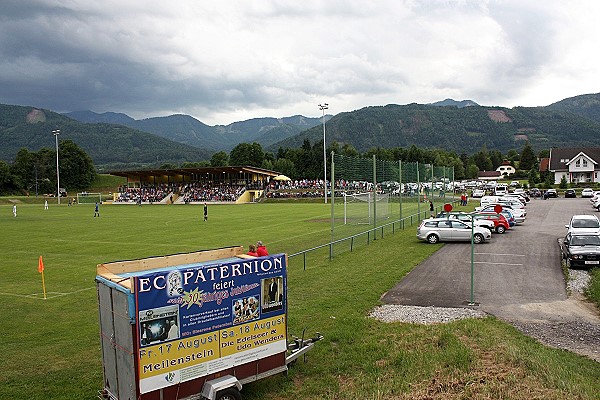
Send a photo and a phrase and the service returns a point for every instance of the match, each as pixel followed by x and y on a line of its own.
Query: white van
pixel 501 189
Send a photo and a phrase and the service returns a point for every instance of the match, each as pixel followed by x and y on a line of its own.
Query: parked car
pixel 466 217
pixel 587 192
pixel 581 250
pixel 570 193
pixel 535 192
pixel 521 192
pixel 434 230
pixel 499 220
pixel 478 193
pixel 509 216
pixel 518 213
pixel 550 193
pixel 516 197
pixel 583 223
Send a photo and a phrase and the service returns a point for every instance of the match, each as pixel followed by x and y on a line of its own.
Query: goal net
pixel 89 198
pixel 365 208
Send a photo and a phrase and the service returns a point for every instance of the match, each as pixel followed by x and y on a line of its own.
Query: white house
pixel 577 164
pixel 506 169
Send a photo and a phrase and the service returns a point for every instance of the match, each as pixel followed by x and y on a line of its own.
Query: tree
pixel 483 161
pixel 528 158
pixel 240 155
pixel 472 171
pixel 533 177
pixel 247 154
pixel 285 167
pixel 496 157
pixel 9 183
pixel 563 182
pixel 219 159
pixel 167 166
pixel 267 164
pixel 197 164
pixel 349 151
pixel 76 166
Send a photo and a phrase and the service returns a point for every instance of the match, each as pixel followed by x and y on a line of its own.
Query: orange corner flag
pixel 41 265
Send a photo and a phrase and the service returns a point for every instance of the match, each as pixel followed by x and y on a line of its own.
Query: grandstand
pixel 193 185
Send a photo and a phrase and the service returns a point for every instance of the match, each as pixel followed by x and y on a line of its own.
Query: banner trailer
pixel 197 319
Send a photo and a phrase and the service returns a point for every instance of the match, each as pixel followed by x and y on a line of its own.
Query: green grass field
pixel 51 348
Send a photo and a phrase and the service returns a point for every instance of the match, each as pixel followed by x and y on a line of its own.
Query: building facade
pixel 506 169
pixel 576 164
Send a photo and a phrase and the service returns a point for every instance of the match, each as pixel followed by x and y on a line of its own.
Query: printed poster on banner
pixel 198 319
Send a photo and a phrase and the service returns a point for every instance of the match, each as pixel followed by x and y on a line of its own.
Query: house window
pixel 578 163
pixel 584 163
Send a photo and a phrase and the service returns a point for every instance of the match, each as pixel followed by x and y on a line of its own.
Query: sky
pixel 226 61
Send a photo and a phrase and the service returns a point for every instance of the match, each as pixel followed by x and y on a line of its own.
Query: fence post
pixel 332 204
pixel 374 198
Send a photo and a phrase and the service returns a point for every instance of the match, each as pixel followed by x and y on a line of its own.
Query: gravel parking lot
pixel 517 278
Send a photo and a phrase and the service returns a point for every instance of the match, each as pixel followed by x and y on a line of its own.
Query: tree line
pixel 35 172
pixel 307 160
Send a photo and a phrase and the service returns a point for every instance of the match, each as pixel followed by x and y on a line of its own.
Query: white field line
pixel 494 263
pixel 500 254
pixel 49 295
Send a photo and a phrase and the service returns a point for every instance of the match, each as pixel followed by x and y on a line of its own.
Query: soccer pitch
pixel 51 347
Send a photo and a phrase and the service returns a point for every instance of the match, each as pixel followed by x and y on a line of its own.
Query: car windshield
pixel 585 223
pixel 585 240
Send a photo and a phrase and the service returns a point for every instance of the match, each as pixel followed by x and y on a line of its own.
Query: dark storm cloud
pixel 227 61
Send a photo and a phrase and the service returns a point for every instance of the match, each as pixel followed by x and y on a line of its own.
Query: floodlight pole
pixel 56 132
pixel 324 107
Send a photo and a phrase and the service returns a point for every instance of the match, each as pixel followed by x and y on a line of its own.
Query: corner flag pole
pixel 41 271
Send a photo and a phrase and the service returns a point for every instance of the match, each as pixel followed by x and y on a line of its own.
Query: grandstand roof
pixel 194 171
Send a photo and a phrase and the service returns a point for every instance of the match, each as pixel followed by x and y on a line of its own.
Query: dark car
pixel 570 193
pixel 581 250
pixel 535 192
pixel 550 193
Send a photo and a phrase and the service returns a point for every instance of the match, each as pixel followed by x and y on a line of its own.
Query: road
pixel 517 278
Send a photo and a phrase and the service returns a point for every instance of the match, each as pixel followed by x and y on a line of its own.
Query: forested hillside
pixel 586 105
pixel 107 144
pixel 188 130
pixel 465 129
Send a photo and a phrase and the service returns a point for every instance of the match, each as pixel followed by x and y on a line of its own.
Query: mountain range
pixel 188 130
pixel 117 140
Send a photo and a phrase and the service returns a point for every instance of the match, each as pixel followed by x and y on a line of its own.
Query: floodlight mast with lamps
pixel 56 132
pixel 324 107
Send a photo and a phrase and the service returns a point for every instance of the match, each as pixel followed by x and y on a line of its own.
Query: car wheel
pixel 500 229
pixel 433 239
pixel 478 238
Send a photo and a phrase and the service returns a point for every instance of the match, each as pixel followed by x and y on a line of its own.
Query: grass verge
pixel 51 348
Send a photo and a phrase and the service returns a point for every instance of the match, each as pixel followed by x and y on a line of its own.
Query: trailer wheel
pixel 229 394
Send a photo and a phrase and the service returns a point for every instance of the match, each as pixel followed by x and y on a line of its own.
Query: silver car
pixel 434 230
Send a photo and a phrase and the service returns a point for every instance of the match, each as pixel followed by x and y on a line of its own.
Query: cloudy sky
pixel 225 61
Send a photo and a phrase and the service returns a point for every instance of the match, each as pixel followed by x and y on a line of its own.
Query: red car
pixel 500 222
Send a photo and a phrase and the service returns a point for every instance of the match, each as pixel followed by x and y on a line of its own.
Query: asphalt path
pixel 515 274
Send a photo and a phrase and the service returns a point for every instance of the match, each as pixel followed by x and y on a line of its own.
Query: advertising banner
pixel 198 319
